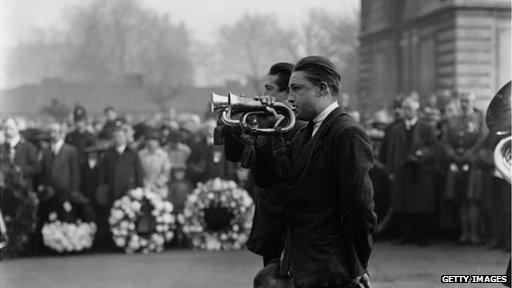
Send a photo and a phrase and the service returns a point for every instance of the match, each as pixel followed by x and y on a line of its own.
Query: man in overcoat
pixel 19 153
pixel 120 169
pixel 409 159
pixel 60 187
pixel 60 166
pixel 330 209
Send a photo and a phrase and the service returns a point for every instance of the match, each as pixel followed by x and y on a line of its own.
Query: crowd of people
pixel 433 174
pixel 435 161
pixel 91 165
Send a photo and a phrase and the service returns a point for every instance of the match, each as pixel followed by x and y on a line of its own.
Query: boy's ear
pixel 323 88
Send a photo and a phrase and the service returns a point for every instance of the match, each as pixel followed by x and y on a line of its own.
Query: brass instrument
pixel 502 158
pixel 498 120
pixel 233 104
pixel 3 232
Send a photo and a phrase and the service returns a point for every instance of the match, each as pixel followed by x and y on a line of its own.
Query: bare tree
pixel 248 46
pixel 105 41
pixel 334 37
pixel 117 37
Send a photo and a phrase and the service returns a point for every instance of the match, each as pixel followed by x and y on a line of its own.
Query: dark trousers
pixel 342 286
pixel 500 212
pixel 415 227
pixel 103 239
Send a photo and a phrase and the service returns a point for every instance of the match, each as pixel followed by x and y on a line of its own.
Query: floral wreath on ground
pixel 70 226
pixel 141 221
pixel 18 208
pixel 217 216
pixel 68 237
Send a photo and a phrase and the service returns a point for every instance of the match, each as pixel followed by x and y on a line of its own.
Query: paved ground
pixel 391 266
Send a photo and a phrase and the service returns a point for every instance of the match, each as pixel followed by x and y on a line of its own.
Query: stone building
pixel 429 46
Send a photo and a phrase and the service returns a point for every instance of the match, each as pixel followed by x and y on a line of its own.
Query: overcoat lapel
pixel 402 137
pixel 303 152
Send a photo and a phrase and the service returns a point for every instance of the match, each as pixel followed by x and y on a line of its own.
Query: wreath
pixel 217 216
pixel 141 221
pixel 63 236
pixel 70 226
pixel 18 208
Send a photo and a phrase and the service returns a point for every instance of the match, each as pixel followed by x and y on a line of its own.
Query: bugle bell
pixel 234 104
pixel 498 121
pixel 221 103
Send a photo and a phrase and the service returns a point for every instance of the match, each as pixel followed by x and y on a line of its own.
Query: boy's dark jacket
pixel 330 210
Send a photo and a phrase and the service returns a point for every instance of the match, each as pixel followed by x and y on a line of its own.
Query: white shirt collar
pixel 321 117
pixel 14 141
pixel 410 123
pixel 121 149
pixel 56 147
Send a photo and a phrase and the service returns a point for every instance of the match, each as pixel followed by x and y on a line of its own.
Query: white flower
pixel 120 242
pixel 52 216
pixel 212 243
pixel 187 212
pixel 217 184
pixel 247 201
pixel 169 235
pixel 168 218
pixel 124 224
pixel 133 245
pixel 158 205
pixel 159 240
pixel 181 219
pixel 137 193
pixel 136 206
pixel 116 214
pixel 168 206
pixel 232 185
pixel 192 198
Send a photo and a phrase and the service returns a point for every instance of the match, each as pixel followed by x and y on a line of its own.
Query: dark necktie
pixel 308 132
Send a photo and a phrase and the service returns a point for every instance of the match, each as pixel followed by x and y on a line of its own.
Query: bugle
pixel 230 105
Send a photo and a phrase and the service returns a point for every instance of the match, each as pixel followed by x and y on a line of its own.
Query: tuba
pixel 230 105
pixel 498 120
pixel 4 238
